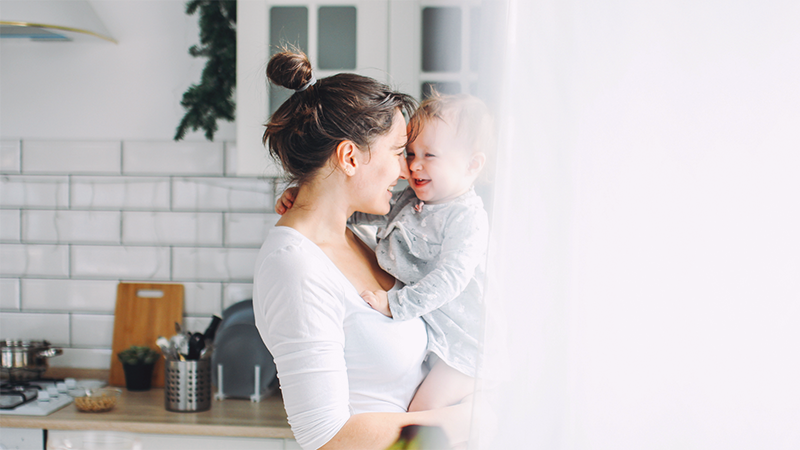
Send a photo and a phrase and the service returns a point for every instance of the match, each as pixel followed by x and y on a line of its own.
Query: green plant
pixel 136 355
pixel 212 99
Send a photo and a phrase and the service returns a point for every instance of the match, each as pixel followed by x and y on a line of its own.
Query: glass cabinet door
pixel 435 45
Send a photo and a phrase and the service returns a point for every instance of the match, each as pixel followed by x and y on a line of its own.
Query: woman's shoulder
pixel 289 257
pixel 289 266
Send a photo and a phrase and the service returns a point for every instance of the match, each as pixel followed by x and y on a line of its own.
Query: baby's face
pixel 438 162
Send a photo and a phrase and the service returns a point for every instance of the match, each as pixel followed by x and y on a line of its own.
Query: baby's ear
pixel 476 162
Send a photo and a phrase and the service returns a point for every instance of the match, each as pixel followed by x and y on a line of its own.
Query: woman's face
pixel 384 163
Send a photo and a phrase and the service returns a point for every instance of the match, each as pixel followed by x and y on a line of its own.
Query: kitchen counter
pixel 144 412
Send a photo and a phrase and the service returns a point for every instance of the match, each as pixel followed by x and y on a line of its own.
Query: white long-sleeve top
pixel 335 355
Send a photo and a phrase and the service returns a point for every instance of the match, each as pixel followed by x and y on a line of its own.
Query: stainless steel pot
pixel 25 360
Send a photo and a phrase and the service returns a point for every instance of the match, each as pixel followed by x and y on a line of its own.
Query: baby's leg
pixel 444 386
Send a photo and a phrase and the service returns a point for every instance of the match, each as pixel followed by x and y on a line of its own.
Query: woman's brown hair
pixel 304 131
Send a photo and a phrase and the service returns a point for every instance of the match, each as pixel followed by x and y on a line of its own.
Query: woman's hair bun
pixel 290 69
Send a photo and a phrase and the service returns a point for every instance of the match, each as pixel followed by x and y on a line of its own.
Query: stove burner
pixel 18 386
pixel 15 396
pixel 34 384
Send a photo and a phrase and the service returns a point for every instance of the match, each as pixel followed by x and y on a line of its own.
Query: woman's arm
pixel 377 431
pixel 300 320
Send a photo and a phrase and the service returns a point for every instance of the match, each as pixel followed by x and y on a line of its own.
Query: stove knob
pixel 52 391
pixel 71 383
pixel 44 396
pixel 61 387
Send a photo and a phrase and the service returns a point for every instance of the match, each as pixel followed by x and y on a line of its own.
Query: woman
pixel 347 372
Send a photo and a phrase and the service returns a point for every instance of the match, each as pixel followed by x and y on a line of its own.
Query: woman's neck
pixel 319 213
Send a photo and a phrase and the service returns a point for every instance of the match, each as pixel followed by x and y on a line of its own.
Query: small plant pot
pixel 138 377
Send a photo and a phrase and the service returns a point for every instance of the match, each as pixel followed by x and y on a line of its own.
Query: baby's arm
pixel 378 300
pixel 286 200
pixel 466 238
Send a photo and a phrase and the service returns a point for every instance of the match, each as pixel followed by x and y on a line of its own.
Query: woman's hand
pixel 286 200
pixel 378 300
pixel 375 431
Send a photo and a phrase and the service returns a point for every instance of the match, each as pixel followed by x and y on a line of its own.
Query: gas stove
pixel 40 397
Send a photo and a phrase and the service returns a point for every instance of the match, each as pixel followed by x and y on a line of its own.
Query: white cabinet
pixel 21 439
pixel 357 30
pixel 63 439
pixel 408 44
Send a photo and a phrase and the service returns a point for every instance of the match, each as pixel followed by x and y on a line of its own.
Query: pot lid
pixel 23 343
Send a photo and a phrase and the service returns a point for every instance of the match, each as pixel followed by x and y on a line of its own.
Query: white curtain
pixel 645 265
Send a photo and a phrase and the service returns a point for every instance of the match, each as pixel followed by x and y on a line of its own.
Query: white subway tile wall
pixel 35 327
pixel 9 225
pixel 78 217
pixel 65 226
pixel 236 292
pixel 69 295
pixel 172 228
pixel 143 263
pixel 173 158
pixel 123 193
pixel 205 299
pixel 60 157
pixel 83 358
pixel 9 294
pixel 223 264
pixel 88 329
pixel 222 194
pixel 9 156
pixel 34 192
pixel 34 260
pixel 196 324
pixel 243 229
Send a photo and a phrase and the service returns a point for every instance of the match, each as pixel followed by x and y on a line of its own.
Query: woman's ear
pixel 476 162
pixel 347 157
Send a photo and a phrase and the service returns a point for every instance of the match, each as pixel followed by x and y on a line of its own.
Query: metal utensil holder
pixel 187 385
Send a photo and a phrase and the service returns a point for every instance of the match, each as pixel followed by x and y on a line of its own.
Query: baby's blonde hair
pixel 468 114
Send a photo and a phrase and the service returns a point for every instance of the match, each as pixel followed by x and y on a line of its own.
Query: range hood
pixel 51 21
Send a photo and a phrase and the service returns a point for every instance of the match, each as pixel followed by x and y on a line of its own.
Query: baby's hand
pixel 378 300
pixel 286 200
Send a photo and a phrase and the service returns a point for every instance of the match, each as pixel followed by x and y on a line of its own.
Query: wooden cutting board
pixel 144 312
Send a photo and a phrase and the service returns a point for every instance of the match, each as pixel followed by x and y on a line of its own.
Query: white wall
pixel 654 275
pixel 94 191
pixel 99 90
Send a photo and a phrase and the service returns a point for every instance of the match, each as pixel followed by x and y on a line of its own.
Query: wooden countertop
pixel 144 412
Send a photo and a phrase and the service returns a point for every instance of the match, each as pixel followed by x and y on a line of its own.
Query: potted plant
pixel 137 362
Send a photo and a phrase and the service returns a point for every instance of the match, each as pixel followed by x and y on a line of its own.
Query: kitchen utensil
pixel 196 345
pixel 25 360
pixel 144 311
pixel 180 345
pixel 166 349
pixel 211 331
pixel 188 385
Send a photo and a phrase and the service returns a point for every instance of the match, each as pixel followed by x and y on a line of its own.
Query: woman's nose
pixel 404 173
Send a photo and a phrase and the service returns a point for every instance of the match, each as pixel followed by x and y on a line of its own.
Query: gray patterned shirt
pixel 438 252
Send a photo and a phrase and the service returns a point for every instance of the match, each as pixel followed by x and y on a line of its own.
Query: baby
pixel 434 241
